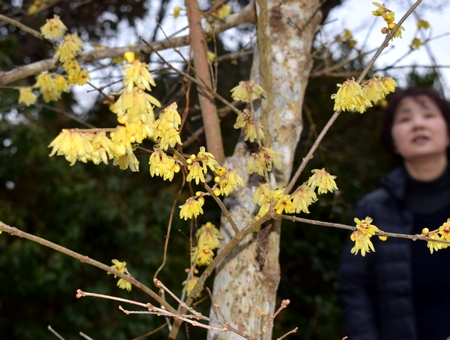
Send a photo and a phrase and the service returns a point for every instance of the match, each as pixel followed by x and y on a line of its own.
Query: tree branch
pixel 16 232
pixel 246 15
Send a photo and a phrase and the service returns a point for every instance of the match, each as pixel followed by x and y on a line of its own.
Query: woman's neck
pixel 426 168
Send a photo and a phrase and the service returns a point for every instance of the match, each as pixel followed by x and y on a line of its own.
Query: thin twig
pixel 85 336
pixel 288 333
pixel 16 232
pixel 335 115
pixel 54 332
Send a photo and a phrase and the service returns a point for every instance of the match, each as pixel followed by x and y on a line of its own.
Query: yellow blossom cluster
pixel 27 97
pixel 190 284
pixel 299 200
pixel 167 127
pixel 443 233
pixel 351 96
pixel 247 91
pixel 264 160
pixel 51 86
pixel 78 145
pixel 361 236
pixel 163 165
pixel 53 28
pixel 121 267
pixel 347 38
pixel 247 122
pixel 134 107
pixel 208 238
pixel 192 208
pixel 389 17
pixel 226 181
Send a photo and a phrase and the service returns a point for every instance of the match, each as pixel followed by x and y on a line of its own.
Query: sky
pixel 356 16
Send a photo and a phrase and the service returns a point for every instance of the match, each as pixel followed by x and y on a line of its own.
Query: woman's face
pixel 419 129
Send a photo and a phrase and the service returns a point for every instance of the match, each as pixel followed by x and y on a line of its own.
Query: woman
pixel 401 291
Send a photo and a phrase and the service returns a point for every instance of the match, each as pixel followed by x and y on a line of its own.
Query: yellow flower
pixel 284 204
pixel 398 33
pixel 234 180
pixel 416 43
pixel 192 207
pixel 72 144
pixel 102 148
pixel 205 255
pixel 323 181
pixel 365 226
pixel 176 14
pixel 423 24
pixel 124 284
pixel 241 92
pixel 302 198
pixel 380 9
pixel 190 286
pixel 69 48
pixel 54 28
pixel 223 12
pixel 207 159
pixel 263 160
pixel 444 230
pixel 163 165
pixel 127 160
pixel 27 96
pixel 119 266
pixel 246 121
pixel 195 173
pixel 121 139
pixel 137 74
pixel 378 87
pixel 432 245
pixel 211 56
pixel 350 96
pixel 362 243
pixel 51 85
pixel 208 234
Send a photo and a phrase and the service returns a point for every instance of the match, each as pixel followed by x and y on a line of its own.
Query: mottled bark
pixel 245 286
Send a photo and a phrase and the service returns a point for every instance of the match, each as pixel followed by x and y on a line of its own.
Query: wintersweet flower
pixel 378 87
pixel 416 43
pixel 176 14
pixel 284 204
pixel 208 234
pixel 163 165
pixel 246 121
pixel 195 173
pixel 190 286
pixel 323 181
pixel 241 92
pixel 102 148
pixel 192 208
pixel 381 9
pixel 127 160
pixel 365 226
pixel 26 96
pixel 302 198
pixel 423 24
pixel 432 245
pixel 205 255
pixel 119 266
pixel 350 96
pixel 121 139
pixel 398 33
pixel 51 86
pixel 222 12
pixel 207 159
pixel 73 145
pixel 54 28
pixel 362 243
pixel 264 160
pixel 234 180
pixel 444 230
pixel 137 74
pixel 69 48
pixel 124 284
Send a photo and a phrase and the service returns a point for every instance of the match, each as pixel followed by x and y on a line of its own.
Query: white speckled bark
pixel 242 289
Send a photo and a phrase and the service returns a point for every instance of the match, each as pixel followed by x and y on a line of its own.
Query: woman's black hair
pixel 394 102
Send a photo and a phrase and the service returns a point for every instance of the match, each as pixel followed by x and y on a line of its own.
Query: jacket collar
pixel 395 183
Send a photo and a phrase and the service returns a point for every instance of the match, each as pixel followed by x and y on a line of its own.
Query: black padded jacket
pixel 376 290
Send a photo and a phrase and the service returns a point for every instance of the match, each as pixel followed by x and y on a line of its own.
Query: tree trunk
pixel 247 279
